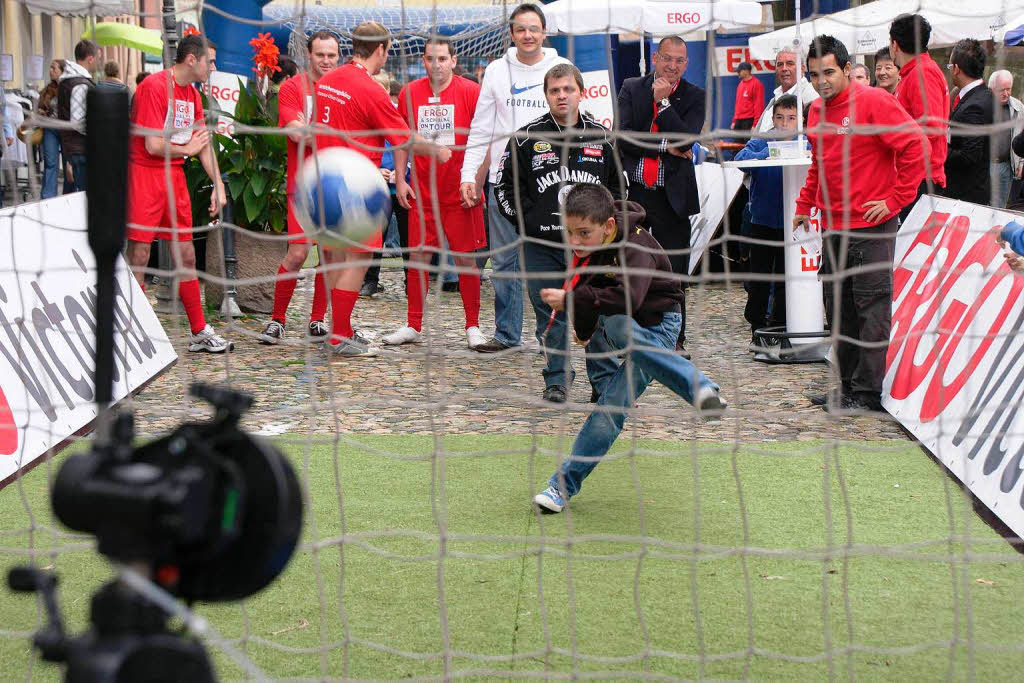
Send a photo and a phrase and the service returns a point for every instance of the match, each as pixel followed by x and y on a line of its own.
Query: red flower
pixel 265 54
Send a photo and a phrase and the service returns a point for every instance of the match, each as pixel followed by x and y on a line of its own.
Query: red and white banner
pixel 955 367
pixel 597 97
pixel 223 87
pixel 729 57
pixel 48 331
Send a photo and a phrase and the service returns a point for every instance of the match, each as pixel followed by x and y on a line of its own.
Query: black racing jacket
pixel 631 275
pixel 543 161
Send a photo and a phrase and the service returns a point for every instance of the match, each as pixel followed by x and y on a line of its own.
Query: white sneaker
pixel 209 341
pixel 532 345
pixel 403 335
pixel 474 337
pixel 709 403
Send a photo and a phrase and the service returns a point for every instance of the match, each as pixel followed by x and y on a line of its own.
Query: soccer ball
pixel 340 197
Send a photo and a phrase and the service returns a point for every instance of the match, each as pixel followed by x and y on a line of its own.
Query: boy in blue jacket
pixel 767 257
pixel 1012 237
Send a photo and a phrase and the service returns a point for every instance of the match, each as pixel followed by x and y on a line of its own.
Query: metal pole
pixel 164 295
pixel 229 306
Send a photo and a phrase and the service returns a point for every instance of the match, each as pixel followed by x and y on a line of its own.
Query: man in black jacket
pixel 72 88
pixel 540 165
pixel 967 163
pixel 625 302
pixel 660 170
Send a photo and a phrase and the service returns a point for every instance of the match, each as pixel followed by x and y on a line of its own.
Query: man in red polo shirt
pixel 295 108
pixel 868 159
pixel 441 107
pixel 349 100
pixel 749 98
pixel 923 93
pixel 169 111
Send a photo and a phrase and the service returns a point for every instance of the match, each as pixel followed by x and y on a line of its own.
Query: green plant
pixel 253 164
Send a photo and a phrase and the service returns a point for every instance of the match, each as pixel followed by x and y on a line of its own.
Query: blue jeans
pixel 508 290
pixel 1004 177
pixel 545 267
pixel 78 168
pixel 51 163
pixel 649 356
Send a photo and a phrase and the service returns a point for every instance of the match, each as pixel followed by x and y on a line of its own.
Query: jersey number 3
pixel 327 115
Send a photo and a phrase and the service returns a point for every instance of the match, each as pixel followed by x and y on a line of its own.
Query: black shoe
pixel 854 405
pixel 369 289
pixel 835 395
pixel 556 393
pixel 492 346
pixel 681 350
pixel 450 286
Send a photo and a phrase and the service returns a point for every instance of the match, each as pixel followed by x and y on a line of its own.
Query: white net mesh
pixel 781 541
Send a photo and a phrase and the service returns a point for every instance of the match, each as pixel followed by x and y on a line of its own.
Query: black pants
pixel 402 218
pixel 671 230
pixel 862 302
pixel 743 124
pixel 768 261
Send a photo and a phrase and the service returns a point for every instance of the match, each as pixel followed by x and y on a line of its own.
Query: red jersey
pixel 160 104
pixel 294 98
pixel 749 100
pixel 856 165
pixel 443 119
pixel 923 93
pixel 348 99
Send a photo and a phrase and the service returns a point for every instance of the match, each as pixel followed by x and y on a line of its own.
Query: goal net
pixel 873 537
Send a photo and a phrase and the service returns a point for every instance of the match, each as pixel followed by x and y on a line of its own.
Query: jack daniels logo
pixel 51 348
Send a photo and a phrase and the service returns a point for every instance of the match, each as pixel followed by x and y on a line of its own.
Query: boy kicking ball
pixel 625 303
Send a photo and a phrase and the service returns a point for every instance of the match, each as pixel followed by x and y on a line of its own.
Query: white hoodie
pixel 78 93
pixel 511 95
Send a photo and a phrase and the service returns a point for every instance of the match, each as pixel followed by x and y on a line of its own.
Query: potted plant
pixel 253 161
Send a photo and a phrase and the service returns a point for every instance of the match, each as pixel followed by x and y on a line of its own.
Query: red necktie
pixel 956 101
pixel 649 172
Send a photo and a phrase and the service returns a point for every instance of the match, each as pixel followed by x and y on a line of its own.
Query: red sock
pixel 284 288
pixel 189 293
pixel 319 298
pixel 416 285
pixel 469 288
pixel 342 303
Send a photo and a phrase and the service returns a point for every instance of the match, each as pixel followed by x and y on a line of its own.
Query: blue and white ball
pixel 340 197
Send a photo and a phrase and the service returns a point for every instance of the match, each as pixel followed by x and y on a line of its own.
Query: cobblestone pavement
pixel 440 387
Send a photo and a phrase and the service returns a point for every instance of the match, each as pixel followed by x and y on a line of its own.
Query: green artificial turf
pixel 795 561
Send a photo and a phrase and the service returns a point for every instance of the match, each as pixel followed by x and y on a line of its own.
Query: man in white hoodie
pixel 511 95
pixel 72 88
pixel 786 63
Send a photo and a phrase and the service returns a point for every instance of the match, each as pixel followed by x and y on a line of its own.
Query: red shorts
pixel 298 235
pixel 463 228
pixel 154 213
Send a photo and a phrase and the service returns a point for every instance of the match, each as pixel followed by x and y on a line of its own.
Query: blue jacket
pixel 1013 233
pixel 765 186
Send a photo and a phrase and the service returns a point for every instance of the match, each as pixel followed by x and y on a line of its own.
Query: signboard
pixel 34 68
pixel 729 57
pixel 6 67
pixel 716 188
pixel 955 366
pixel 597 97
pixel 223 88
pixel 47 331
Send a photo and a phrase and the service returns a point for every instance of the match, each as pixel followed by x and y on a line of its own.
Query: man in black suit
pixel 967 164
pixel 660 169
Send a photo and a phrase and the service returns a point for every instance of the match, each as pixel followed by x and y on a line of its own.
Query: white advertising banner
pixel 716 188
pixel 955 366
pixel 47 330
pixel 729 57
pixel 597 97
pixel 223 88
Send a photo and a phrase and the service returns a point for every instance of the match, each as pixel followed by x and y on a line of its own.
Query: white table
pixel 805 309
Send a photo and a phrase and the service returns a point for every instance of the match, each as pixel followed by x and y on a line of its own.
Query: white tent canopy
pixel 865 29
pixel 657 17
pixel 81 8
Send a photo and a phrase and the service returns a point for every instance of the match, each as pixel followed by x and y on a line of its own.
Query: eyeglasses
pixel 519 28
pixel 678 61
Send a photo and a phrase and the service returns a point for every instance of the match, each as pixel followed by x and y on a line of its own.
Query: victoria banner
pixel 48 331
pixel 955 366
